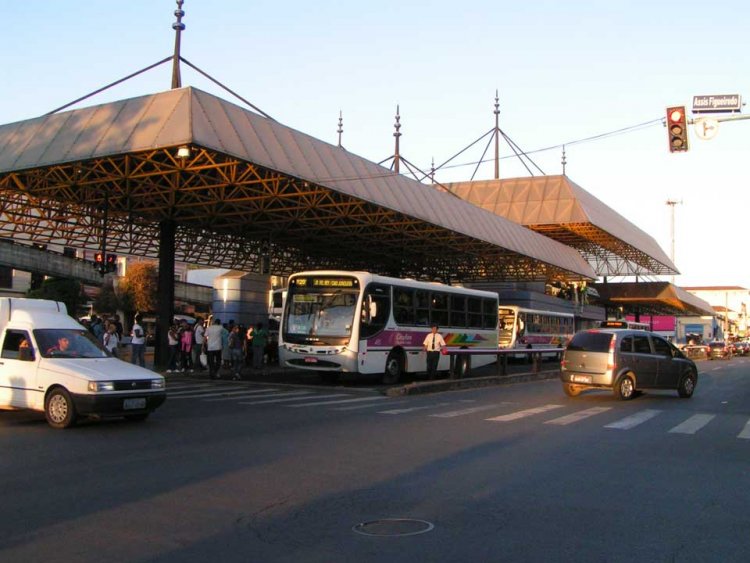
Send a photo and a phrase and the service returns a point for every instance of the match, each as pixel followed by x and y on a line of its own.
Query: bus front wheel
pixel 394 368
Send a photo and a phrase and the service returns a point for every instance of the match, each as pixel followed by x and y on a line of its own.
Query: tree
pixel 138 288
pixel 68 291
pixel 107 301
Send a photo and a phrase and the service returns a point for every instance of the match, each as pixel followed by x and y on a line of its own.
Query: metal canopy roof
pixel 652 297
pixel 560 209
pixel 250 188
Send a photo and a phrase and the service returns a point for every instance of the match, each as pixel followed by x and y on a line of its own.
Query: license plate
pixel 581 378
pixel 310 360
pixel 130 404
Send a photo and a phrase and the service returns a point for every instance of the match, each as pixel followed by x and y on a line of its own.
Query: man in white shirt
pixel 213 347
pixel 138 344
pixel 432 344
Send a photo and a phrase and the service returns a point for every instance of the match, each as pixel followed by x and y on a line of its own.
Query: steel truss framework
pixel 234 214
pixel 608 255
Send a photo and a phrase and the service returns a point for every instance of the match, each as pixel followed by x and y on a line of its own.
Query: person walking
pixel 138 344
pixel 432 345
pixel 213 348
pixel 249 346
pixel 260 339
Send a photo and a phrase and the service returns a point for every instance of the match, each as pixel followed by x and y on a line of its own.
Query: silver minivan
pixel 625 360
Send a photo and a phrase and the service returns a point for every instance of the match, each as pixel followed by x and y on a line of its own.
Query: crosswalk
pixel 504 413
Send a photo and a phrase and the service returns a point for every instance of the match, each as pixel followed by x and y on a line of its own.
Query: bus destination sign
pixel 724 103
pixel 332 282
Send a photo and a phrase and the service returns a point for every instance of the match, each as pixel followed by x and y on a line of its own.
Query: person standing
pixel 236 339
pixel 249 346
pixel 213 348
pixel 138 344
pixel 260 338
pixel 110 340
pixel 173 340
pixel 433 344
pixel 186 347
pixel 198 334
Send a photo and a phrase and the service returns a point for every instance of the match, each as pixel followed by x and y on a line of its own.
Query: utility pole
pixel 671 203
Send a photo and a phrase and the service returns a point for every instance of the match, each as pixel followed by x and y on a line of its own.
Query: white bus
pixel 355 322
pixel 524 328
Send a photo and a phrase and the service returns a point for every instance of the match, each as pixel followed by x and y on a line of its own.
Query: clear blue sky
pixel 564 71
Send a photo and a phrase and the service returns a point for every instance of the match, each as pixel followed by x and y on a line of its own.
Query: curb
pixel 424 387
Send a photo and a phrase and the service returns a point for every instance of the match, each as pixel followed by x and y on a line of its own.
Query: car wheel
pixel 571 390
pixel 687 385
pixel 625 388
pixel 59 409
pixel 137 417
pixel 394 368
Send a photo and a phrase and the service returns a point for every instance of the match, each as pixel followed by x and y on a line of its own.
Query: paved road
pixel 259 471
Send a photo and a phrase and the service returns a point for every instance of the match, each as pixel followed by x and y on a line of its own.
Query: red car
pixel 720 350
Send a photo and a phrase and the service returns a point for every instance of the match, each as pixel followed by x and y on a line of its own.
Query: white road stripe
pixel 524 413
pixel 358 407
pixel 317 404
pixel 634 420
pixel 745 434
pixel 412 409
pixel 192 387
pixel 213 392
pixel 247 394
pixel 288 397
pixel 578 416
pixel 693 424
pixel 470 410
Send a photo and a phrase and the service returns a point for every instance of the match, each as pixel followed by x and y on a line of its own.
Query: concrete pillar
pixel 165 307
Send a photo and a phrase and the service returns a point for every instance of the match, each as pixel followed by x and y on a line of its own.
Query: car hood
pixel 96 369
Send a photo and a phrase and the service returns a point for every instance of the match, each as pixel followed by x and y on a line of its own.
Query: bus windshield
pixel 321 316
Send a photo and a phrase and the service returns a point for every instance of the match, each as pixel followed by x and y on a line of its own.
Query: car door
pixel 17 369
pixel 645 362
pixel 667 365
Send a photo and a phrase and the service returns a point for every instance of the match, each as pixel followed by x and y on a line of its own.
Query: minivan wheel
pixel 687 386
pixel 571 390
pixel 59 409
pixel 625 388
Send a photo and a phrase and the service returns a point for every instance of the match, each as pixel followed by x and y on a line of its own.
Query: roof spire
pixel 497 136
pixel 564 162
pixel 340 130
pixel 178 27
pixel 397 134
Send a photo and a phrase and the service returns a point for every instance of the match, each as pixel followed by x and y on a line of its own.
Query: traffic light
pixel 111 263
pixel 677 129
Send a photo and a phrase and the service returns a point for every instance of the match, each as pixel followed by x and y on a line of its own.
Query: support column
pixel 165 307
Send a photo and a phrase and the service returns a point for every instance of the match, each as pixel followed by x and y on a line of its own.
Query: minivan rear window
pixel 591 342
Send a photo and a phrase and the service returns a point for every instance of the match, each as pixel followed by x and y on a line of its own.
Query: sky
pixel 564 72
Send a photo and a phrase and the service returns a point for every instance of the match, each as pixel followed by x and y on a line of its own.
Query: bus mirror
pixel 373 309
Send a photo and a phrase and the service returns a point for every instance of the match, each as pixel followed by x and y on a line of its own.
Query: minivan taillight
pixel 611 356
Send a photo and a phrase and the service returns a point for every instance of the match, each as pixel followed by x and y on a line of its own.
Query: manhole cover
pixel 394 527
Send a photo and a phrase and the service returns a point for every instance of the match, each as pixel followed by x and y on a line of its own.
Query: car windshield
pixel 68 343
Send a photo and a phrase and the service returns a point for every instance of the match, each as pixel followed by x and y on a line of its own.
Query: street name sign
pixel 722 103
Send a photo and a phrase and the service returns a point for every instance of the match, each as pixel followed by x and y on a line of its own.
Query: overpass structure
pixel 39 261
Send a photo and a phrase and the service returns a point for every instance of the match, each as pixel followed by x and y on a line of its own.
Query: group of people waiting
pixel 215 346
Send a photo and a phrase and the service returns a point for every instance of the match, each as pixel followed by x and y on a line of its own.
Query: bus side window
pixel 376 308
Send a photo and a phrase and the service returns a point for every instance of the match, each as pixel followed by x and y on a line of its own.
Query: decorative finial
pixel 397 134
pixel 432 170
pixel 340 130
pixel 564 162
pixel 178 27
pixel 497 103
pixel 497 135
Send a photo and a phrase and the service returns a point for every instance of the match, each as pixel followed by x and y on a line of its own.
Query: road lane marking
pixel 578 416
pixel 745 434
pixel 288 397
pixel 470 410
pixel 358 400
pixel 634 420
pixel 524 413
pixel 361 407
pixel 693 424
pixel 213 392
pixel 413 409
pixel 250 394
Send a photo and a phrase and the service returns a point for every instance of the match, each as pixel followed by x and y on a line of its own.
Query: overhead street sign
pixel 723 103
pixel 706 128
